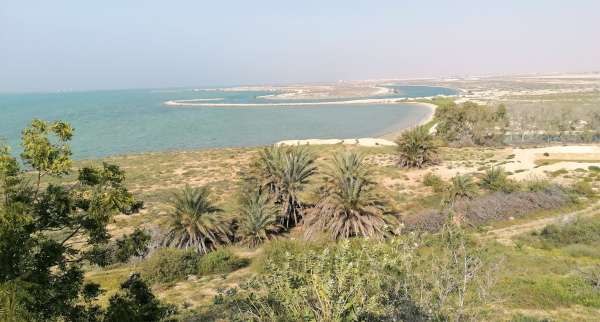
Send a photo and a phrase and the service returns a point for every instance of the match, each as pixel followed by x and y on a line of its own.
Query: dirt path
pixel 506 234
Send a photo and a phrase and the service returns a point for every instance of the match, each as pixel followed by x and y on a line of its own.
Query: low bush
pixel 220 261
pixel 170 264
pixel 583 188
pixel 580 231
pixel 494 206
pixel 582 250
pixel 535 184
pixel 435 182
pixel 594 168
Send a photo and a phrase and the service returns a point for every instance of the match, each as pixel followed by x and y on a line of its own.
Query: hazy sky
pixel 58 45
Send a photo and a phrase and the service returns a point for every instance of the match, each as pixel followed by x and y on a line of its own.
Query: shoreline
pixel 193 103
pixel 386 139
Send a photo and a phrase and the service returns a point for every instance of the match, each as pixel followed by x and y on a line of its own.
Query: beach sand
pixel 384 140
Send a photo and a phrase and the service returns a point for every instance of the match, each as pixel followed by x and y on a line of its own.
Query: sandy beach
pixel 383 140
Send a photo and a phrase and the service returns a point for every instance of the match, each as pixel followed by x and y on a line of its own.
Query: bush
pixel 170 264
pixel 581 231
pixel 435 182
pixel 496 179
pixel 594 168
pixel 536 184
pixel 416 148
pixel 220 261
pixel 581 250
pixel 494 206
pixel 583 188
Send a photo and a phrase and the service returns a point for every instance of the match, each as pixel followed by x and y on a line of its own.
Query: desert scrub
pixel 220 261
pixel 169 265
pixel 435 182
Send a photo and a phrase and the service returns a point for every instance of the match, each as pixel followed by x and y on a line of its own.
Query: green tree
pixel 284 172
pixel 258 220
pixel 136 303
pixel 462 187
pixel 496 179
pixel 349 205
pixel 416 148
pixel 48 232
pixel 196 223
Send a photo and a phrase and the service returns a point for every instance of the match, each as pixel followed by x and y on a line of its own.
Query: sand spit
pixel 370 142
pixel 384 140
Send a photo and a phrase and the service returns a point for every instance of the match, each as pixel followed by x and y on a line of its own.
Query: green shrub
pixel 496 179
pixel 435 182
pixel 594 168
pixel 582 250
pixel 170 264
pixel 536 184
pixel 583 188
pixel 581 231
pixel 527 318
pixel 220 261
pixel 558 172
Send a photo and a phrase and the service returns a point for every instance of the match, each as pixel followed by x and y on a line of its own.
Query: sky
pixel 117 44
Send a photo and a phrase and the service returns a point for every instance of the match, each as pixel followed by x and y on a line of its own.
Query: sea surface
pixel 132 121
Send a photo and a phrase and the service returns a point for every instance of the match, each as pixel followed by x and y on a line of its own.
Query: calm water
pixel 119 122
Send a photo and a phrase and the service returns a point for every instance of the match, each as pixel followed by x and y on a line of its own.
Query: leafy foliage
pixel 366 280
pixel 349 205
pixel 496 179
pixel 170 264
pixel 48 232
pixel 258 220
pixel 136 303
pixel 416 148
pixel 471 123
pixel 220 261
pixel 197 223
pixel 462 187
pixel 284 172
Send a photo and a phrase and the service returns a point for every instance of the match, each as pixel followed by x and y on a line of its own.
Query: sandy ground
pixel 528 163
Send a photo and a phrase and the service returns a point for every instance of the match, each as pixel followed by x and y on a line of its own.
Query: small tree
pixel 197 223
pixel 136 303
pixel 496 179
pixel 416 148
pixel 462 187
pixel 258 220
pixel 349 205
pixel 284 172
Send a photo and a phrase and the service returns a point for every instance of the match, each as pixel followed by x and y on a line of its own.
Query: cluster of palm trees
pixel 273 200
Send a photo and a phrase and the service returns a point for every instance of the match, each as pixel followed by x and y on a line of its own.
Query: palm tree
pixel 416 148
pixel 258 219
pixel 496 179
pixel 285 172
pixel 349 206
pixel 463 187
pixel 196 222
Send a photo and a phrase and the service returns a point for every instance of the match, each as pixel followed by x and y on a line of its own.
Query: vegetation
pixel 349 205
pixel 365 280
pixel 220 261
pixel 416 148
pixel 426 269
pixel 284 172
pixel 197 223
pixel 496 179
pixel 471 123
pixel 462 187
pixel 47 233
pixel 258 220
pixel 167 265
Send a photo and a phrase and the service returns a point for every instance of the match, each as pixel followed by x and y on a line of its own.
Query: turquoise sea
pixel 131 121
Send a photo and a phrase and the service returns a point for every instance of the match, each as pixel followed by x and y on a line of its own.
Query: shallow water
pixel 130 121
